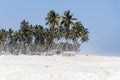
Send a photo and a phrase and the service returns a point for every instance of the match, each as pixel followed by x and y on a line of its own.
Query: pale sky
pixel 101 17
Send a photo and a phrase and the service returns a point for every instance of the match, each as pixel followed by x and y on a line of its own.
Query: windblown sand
pixel 59 68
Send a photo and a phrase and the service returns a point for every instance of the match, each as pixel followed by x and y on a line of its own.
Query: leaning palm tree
pixel 85 36
pixel 81 31
pixel 80 34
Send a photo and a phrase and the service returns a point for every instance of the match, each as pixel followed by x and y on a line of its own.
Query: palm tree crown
pixel 67 20
pixel 52 19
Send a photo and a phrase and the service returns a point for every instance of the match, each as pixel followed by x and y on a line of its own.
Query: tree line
pixel 65 33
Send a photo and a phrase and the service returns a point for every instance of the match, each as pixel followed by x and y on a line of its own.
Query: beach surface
pixel 59 67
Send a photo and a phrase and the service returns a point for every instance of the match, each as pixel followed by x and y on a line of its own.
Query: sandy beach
pixel 59 67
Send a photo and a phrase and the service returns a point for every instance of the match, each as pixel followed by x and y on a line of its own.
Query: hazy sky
pixel 102 17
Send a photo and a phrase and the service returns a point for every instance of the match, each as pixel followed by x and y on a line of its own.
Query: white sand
pixel 59 68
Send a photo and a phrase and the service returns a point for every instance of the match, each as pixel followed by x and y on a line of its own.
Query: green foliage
pixel 39 38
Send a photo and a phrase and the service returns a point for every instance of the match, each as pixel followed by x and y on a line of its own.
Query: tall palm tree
pixel 52 19
pixel 67 21
pixel 28 32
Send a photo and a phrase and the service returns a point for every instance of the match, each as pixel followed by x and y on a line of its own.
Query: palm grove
pixel 65 33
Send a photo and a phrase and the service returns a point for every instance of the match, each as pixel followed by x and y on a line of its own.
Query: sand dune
pixel 59 68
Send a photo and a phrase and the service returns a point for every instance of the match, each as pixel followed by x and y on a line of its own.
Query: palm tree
pixel 77 30
pixel 24 25
pixel 48 39
pixel 3 38
pixel 67 21
pixel 28 32
pixel 10 35
pixel 19 38
pixel 60 32
pixel 79 33
pixel 1 41
pixel 52 19
pixel 39 36
pixel 85 36
pixel 9 44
